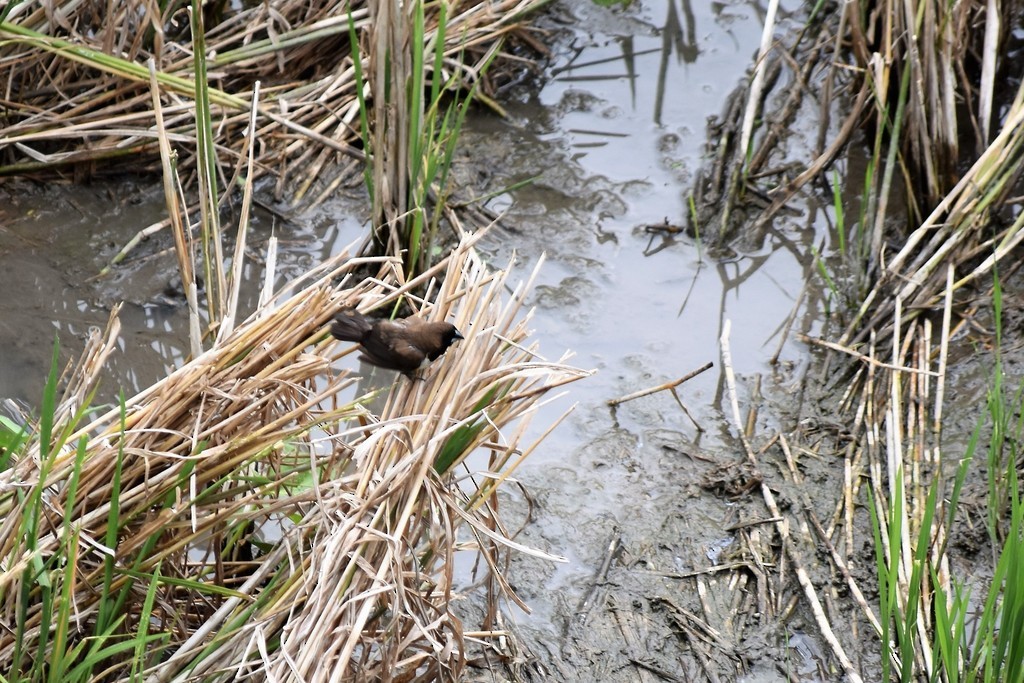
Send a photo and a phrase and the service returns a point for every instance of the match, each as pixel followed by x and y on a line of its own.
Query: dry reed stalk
pixel 957 232
pixel 252 438
pixel 75 84
pixel 898 450
pixel 757 82
pixel 782 525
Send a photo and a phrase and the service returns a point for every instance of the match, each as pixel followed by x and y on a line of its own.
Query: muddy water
pixel 613 140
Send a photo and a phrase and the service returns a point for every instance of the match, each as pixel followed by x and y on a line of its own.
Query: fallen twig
pixel 661 387
pixel 860 356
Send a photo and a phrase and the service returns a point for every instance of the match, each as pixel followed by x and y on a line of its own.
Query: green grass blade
pixel 142 636
pixel 49 405
pixel 364 118
pixel 885 604
pixel 13 439
pixel 206 165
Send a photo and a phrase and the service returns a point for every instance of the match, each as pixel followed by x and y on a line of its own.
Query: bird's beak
pixel 458 335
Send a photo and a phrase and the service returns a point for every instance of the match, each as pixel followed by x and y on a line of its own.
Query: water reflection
pixel 55 246
pixel 615 139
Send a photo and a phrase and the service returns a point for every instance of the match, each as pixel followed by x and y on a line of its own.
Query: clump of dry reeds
pixel 935 217
pixel 900 337
pixel 964 233
pixel 914 79
pixel 76 85
pixel 238 518
pixel 901 68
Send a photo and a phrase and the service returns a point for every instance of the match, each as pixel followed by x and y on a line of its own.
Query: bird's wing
pixel 390 348
pixel 350 325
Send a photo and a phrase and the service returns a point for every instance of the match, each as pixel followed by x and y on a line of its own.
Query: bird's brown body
pixel 406 344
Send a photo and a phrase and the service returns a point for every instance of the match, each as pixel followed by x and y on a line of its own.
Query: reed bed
pixel 914 79
pixel 239 518
pixel 939 612
pixel 936 612
pixel 894 483
pixel 958 203
pixel 76 84
pixel 966 229
pixel 930 69
pixel 921 243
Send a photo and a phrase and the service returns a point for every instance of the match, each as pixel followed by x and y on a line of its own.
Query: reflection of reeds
pixel 139 532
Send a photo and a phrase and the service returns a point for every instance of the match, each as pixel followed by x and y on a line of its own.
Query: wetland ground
pixel 674 572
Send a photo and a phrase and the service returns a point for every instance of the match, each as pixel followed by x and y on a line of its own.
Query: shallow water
pixel 613 139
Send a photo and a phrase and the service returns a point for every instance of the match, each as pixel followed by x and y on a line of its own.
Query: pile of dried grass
pixel 915 79
pixel 76 85
pixel 158 510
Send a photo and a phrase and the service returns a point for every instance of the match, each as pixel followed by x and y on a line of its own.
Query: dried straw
pixel 75 82
pixel 252 438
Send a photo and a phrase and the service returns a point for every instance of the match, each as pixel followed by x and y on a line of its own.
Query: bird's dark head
pixel 451 335
pixel 436 338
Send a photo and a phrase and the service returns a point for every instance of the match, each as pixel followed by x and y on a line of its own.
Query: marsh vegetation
pixel 240 518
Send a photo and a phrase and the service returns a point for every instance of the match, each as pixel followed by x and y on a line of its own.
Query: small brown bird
pixel 406 344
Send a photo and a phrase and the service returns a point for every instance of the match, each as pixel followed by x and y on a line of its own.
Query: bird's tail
pixel 350 326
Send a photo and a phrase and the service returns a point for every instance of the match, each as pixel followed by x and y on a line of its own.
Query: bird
pixel 405 344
